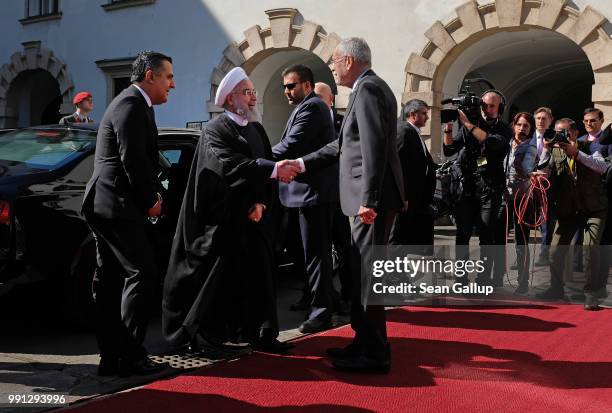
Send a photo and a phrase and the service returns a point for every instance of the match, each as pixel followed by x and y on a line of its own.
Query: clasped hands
pixel 287 169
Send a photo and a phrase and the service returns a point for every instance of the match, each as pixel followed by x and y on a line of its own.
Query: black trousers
pixel 315 229
pixel 479 210
pixel 369 323
pixel 341 240
pixel 413 228
pixel 123 286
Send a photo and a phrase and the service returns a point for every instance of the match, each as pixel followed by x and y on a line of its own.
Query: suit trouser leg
pixel 123 286
pixel 564 231
pixel 489 204
pixel 315 228
pixel 369 323
pixel 593 231
pixel 341 239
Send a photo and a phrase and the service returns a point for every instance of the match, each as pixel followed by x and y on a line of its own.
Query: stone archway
pixel 283 33
pixel 33 57
pixel 426 71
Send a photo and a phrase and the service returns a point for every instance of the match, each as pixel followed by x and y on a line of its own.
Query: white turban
pixel 229 82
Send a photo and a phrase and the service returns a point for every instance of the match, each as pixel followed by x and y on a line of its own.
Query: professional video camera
pixel 552 136
pixel 467 101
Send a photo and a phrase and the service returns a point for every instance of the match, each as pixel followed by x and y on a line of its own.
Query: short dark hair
pixel 413 105
pixel 303 72
pixel 593 110
pixel 528 117
pixel 147 60
pixel 570 122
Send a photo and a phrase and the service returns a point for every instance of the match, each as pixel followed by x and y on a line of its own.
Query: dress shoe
pixel 141 367
pixel 273 346
pixel 592 307
pixel 362 364
pixel 551 294
pixel 315 325
pixel 522 289
pixel 351 350
pixel 109 366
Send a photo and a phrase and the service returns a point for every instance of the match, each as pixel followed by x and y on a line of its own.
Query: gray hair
pixel 413 105
pixel 357 48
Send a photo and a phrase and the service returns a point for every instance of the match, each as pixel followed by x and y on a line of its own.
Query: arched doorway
pixel 473 41
pixel 35 96
pixel 264 53
pixel 35 88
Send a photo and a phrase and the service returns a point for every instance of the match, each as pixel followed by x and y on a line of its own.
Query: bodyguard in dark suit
pixel 371 191
pixel 119 197
pixel 309 128
pixel 415 225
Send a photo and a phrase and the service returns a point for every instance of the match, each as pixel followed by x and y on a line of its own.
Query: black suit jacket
pixel 370 170
pixel 309 128
pixel 123 184
pixel 418 168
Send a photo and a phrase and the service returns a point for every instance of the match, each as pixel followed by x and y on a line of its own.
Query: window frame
pixel 54 14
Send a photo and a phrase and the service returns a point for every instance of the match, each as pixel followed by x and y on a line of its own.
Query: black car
pixel 43 236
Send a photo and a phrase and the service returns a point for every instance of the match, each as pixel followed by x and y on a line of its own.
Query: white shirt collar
pixel 415 127
pixel 144 94
pixel 359 78
pixel 240 120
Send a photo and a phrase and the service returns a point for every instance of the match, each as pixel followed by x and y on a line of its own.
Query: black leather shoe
pixel 315 325
pixel 108 366
pixel 142 367
pixel 273 346
pixel 362 364
pixel 351 350
pixel 592 307
pixel 551 294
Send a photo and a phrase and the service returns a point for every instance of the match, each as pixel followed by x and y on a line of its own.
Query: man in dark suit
pixel 371 192
pixel 415 225
pixel 119 198
pixel 314 194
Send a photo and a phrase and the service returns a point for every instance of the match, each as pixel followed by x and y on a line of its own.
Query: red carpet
pixel 536 358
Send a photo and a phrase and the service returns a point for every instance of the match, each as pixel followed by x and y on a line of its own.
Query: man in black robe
pixel 220 283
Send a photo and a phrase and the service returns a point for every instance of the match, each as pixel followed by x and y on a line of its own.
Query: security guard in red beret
pixel 84 105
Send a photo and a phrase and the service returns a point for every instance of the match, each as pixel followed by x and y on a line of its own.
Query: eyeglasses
pixel 336 60
pixel 591 120
pixel 291 86
pixel 247 92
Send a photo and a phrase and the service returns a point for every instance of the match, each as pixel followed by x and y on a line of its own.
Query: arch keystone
pixel 280 25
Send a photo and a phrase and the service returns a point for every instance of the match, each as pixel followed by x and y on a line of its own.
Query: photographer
pixel 481 145
pixel 579 199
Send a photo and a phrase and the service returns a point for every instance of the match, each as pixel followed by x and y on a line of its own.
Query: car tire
pixel 81 311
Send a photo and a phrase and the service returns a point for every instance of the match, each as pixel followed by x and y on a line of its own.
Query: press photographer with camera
pixel 578 198
pixel 481 143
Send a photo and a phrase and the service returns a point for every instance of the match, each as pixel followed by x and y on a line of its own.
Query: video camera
pixel 467 101
pixel 552 136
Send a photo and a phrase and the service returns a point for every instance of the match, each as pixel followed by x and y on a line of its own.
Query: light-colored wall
pixel 195 32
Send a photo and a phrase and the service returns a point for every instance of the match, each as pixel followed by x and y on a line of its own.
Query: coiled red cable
pixel 538 185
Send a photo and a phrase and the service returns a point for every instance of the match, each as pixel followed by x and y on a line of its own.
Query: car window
pixel 44 149
pixel 172 155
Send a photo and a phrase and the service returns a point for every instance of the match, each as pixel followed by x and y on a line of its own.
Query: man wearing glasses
pixel 309 128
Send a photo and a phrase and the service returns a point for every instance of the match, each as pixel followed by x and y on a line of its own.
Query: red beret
pixel 81 96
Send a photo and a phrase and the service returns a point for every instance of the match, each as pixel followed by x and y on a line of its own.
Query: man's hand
pixel 256 212
pixel 405 207
pixel 464 119
pixel 287 169
pixel 156 209
pixel 571 149
pixel 367 215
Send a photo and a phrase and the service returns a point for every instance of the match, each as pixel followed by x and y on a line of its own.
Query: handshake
pixel 287 169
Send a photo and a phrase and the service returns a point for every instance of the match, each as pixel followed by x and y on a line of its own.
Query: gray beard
pixel 250 115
